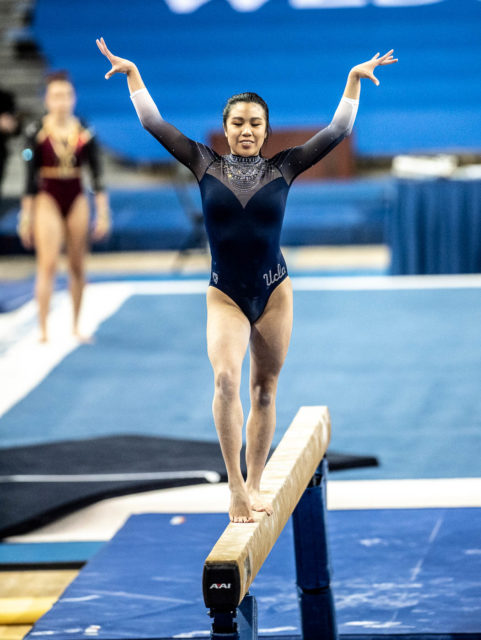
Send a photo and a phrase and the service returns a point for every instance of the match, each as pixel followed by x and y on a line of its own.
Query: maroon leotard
pixel 54 166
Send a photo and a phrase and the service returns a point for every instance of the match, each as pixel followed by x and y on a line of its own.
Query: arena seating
pixel 296 58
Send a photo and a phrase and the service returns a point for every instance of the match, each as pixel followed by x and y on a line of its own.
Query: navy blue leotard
pixel 243 200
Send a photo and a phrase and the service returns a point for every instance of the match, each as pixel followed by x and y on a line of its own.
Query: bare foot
pixel 240 506
pixel 83 339
pixel 258 503
pixel 43 338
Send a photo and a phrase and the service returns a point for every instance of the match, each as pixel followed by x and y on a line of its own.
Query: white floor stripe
pixel 404 494
pixel 27 362
pixel 102 520
pixel 386 283
pixel 209 476
pixel 22 318
pixel 341 283
pixel 170 287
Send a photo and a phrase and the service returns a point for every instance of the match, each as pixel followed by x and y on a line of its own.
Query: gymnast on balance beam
pixel 249 300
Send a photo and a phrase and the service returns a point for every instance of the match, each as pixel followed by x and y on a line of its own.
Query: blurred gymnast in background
pixel 249 300
pixel 55 209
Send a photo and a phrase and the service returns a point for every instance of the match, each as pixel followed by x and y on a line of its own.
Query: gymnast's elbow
pixel 150 123
pixel 146 124
pixel 339 132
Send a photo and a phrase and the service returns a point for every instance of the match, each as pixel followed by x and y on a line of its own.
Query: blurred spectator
pixel 9 126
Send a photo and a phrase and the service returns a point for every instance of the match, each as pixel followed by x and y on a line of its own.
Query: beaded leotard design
pixel 244 174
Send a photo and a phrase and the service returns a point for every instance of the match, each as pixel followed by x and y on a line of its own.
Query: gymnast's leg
pixel 268 346
pixel 77 225
pixel 228 333
pixel 48 233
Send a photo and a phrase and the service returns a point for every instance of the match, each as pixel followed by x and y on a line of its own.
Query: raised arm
pixel 294 161
pixel 197 157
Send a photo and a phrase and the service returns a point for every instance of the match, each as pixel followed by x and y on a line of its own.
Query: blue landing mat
pixel 399 371
pixel 405 573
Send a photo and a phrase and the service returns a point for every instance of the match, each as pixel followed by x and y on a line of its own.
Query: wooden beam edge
pixel 245 546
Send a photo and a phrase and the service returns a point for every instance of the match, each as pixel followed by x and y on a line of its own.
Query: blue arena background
pixel 296 58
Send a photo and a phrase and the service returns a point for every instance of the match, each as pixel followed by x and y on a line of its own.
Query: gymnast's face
pixel 245 128
pixel 60 98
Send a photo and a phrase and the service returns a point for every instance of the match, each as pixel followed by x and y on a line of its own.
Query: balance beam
pixel 243 548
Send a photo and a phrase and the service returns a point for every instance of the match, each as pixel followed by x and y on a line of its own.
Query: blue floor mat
pixel 15 293
pixel 399 370
pixel 397 573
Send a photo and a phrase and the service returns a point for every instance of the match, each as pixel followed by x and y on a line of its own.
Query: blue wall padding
pixel 435 227
pixel 330 212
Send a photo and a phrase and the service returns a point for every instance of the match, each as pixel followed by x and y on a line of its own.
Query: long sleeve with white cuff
pixel 198 156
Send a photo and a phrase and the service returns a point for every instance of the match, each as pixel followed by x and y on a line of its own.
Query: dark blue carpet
pixel 396 573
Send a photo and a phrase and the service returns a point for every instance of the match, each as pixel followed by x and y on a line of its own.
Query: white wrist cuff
pixel 132 95
pixel 350 100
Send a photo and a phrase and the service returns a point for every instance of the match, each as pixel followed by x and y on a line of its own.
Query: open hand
pixel 366 69
pixel 101 228
pixel 119 65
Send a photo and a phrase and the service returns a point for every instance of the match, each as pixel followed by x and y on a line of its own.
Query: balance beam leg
pixel 242 626
pixel 316 602
pixel 247 618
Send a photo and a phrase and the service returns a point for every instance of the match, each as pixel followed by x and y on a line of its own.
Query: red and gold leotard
pixel 54 164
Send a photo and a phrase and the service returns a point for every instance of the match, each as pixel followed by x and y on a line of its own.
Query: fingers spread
pixel 386 56
pixel 107 50
pixel 101 47
pixel 389 61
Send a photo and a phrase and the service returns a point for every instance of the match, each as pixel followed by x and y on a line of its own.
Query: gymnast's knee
pixel 47 269
pixel 227 383
pixel 76 269
pixel 263 395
